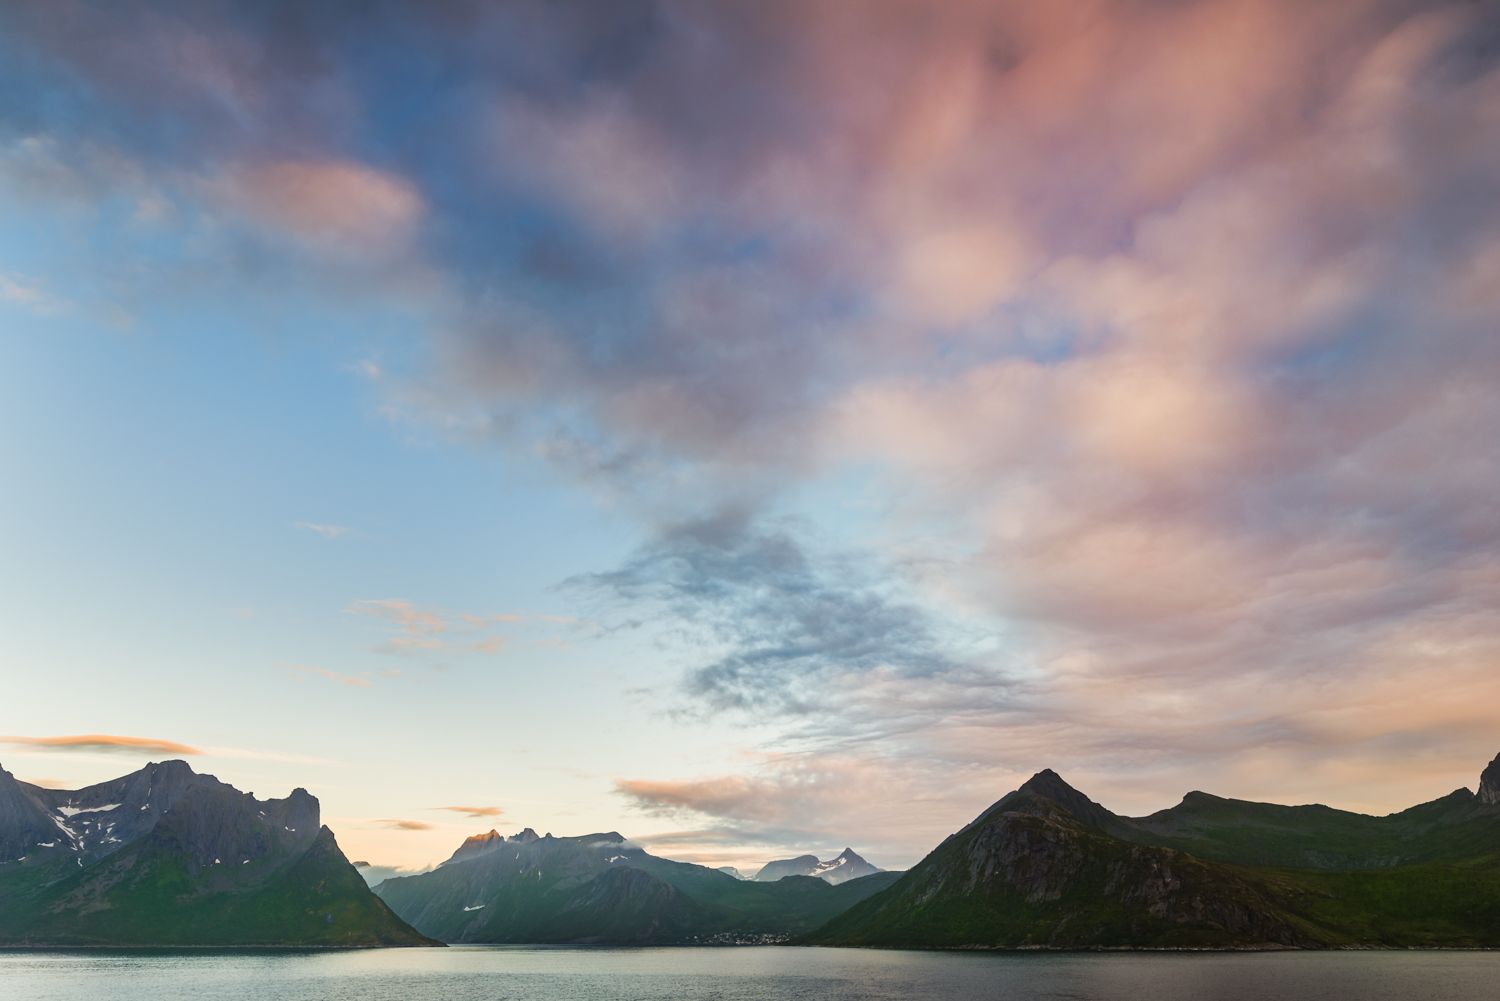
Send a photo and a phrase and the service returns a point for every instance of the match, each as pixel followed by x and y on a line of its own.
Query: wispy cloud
pixel 418 630
pixel 784 621
pixel 349 680
pixel 402 824
pixel 333 204
pixel 813 801
pixel 327 531
pixel 407 617
pixel 499 618
pixel 1170 325
pixel 29 294
pixel 104 742
pixel 421 630
pixel 476 812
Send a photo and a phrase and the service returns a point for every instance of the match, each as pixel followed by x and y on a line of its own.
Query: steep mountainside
pixel 1489 783
pixel 600 888
pixel 165 856
pixel 1047 867
pixel 841 868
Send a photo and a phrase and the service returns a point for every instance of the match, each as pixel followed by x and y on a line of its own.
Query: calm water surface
pixel 470 973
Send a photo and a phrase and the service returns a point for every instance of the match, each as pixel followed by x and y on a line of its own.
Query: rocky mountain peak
pixel 477 844
pixel 525 837
pixel 1489 783
pixel 1049 786
pixel 841 868
pixel 172 766
pixel 1048 783
pixel 25 823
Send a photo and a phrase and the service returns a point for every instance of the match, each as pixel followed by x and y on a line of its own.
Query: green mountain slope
pixel 599 888
pixel 1046 867
pixel 214 867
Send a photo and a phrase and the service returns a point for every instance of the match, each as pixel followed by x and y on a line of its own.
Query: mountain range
pixel 601 888
pixel 1046 867
pixel 841 868
pixel 167 857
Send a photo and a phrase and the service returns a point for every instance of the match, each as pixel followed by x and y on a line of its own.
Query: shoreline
pixel 969 949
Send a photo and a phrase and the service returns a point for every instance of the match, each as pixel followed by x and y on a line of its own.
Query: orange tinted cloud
pixel 402 613
pixel 103 742
pixel 473 811
pixel 401 824
pixel 348 680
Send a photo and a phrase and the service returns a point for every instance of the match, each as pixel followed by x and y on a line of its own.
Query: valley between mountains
pixel 168 857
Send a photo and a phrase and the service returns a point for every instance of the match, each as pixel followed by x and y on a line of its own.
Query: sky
pixel 756 428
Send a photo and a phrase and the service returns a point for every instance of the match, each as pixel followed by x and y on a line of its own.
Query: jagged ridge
pixel 165 856
pixel 600 888
pixel 841 868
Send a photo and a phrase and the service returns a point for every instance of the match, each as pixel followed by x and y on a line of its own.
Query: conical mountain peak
pixel 1048 786
pixel 1047 782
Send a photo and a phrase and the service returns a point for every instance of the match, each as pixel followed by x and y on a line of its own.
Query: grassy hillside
pixel 1045 867
pixel 146 895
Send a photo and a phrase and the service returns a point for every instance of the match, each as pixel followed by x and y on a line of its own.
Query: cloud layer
pixel 103 742
pixel 473 812
pixel 1157 340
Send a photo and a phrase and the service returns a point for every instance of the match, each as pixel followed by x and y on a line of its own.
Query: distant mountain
pixel 1047 867
pixel 165 856
pixel 730 870
pixel 479 844
pixel 843 867
pixel 375 874
pixel 600 888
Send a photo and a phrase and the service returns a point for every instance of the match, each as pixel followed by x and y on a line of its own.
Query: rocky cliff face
pixel 479 844
pixel 25 824
pixel 1047 859
pixel 1039 869
pixel 218 825
pixel 202 818
pixel 1048 867
pixel 1489 783
pixel 165 856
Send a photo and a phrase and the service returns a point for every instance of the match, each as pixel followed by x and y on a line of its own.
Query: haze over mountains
pixel 166 856
pixel 601 888
pixel 841 868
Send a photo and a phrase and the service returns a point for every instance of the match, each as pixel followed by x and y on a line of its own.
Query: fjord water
pixel 515 973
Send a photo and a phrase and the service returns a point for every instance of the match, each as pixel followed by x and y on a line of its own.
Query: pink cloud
pixel 1170 327
pixel 333 203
